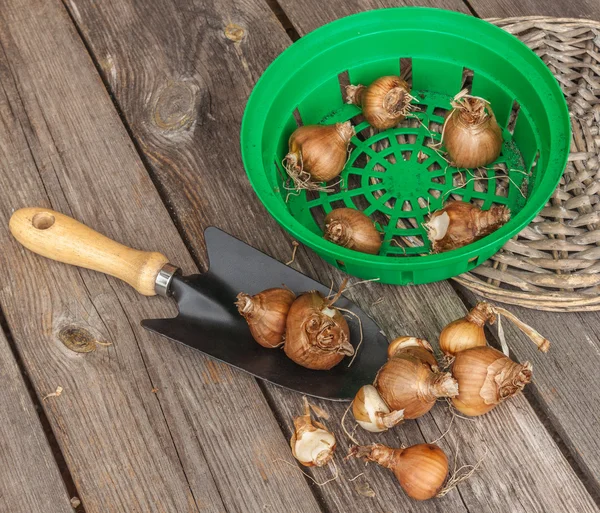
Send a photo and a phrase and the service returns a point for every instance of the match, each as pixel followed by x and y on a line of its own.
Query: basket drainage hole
pixel 344 80
pixel 341 265
pixel 514 114
pixel 298 117
pixel 405 68
pixel 43 220
pixel 467 79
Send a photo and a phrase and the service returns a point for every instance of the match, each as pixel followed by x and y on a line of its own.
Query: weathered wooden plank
pixel 306 16
pixel 25 487
pixel 559 393
pixel 184 164
pixel 565 379
pixel 144 424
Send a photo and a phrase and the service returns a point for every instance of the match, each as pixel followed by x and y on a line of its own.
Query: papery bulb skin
pixel 486 377
pixel 413 383
pixel 352 229
pixel 468 331
pixel 421 469
pixel 312 443
pixel 471 134
pixel 384 103
pixel 460 223
pixel 371 413
pixel 266 314
pixel 317 334
pixel 417 347
pixel 319 150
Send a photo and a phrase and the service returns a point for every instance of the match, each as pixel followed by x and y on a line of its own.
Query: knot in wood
pixel 234 32
pixel 175 106
pixel 77 339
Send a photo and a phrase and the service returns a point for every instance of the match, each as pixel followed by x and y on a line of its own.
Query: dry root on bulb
pixel 384 103
pixel 312 443
pixel 371 412
pixel 410 380
pixel 469 331
pixel 471 134
pixel 486 377
pixel 353 230
pixel 460 223
pixel 317 334
pixel 420 470
pixel 317 153
pixel 266 314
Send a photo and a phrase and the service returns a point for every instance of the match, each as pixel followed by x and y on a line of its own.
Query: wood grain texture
pixel 145 425
pixel 22 442
pixel 559 393
pixel 63 239
pixel 307 15
pixel 564 379
pixel 200 173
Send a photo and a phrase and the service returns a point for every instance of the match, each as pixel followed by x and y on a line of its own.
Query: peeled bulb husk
pixel 317 334
pixel 468 331
pixel 486 377
pixel 410 380
pixel 312 443
pixel 420 470
pixel 353 230
pixel 266 314
pixel 460 223
pixel 384 103
pixel 471 134
pixel 371 412
pixel 318 152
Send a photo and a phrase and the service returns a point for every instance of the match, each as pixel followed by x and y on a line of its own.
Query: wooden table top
pixel 125 115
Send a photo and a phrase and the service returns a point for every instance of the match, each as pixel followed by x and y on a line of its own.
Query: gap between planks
pixel 57 454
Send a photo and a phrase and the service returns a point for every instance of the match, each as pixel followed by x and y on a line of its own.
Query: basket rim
pixel 252 156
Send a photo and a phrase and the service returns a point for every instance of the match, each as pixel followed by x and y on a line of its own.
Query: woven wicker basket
pixel 554 264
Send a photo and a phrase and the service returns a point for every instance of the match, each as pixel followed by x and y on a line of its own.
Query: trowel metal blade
pixel 209 322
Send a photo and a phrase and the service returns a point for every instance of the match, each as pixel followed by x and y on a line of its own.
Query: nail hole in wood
pixel 43 220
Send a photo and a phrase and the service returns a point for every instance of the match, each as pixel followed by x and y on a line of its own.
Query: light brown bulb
pixel 384 103
pixel 471 134
pixel 468 331
pixel 420 470
pixel 460 223
pixel 486 377
pixel 417 347
pixel 319 150
pixel 266 314
pixel 371 412
pixel 410 381
pixel 312 443
pixel 317 334
pixel 353 230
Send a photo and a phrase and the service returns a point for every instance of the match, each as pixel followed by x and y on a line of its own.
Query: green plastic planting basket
pixel 398 176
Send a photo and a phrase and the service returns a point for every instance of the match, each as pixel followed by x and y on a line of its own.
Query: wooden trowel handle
pixel 61 238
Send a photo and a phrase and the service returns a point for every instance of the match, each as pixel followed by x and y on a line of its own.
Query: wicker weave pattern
pixel 554 264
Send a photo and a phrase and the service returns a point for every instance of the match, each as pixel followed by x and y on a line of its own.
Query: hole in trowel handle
pixel 43 220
